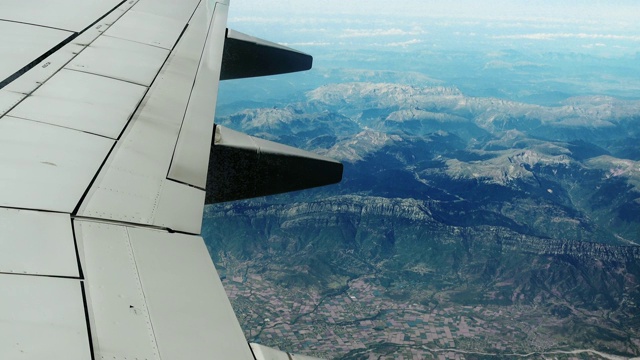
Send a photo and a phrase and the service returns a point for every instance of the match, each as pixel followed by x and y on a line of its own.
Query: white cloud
pixel 310 43
pixel 591 46
pixel 405 43
pixel 350 33
pixel 553 36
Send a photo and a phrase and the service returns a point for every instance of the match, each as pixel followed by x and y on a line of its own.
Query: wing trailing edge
pixel 243 166
pixel 247 56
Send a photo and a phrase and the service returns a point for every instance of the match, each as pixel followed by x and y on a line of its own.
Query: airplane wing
pixel 107 153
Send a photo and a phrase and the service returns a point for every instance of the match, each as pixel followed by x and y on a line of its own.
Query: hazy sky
pixel 585 10
pixel 595 25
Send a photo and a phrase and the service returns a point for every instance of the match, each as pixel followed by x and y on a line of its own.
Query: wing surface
pixel 106 123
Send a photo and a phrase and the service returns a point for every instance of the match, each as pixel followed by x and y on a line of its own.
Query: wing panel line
pixel 144 296
pixel 38 25
pixel 204 48
pixel 41 275
pixel 32 64
pixel 124 128
pixel 61 126
pixel 35 62
pixel 86 308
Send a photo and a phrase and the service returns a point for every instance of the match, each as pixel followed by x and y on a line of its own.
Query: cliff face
pixel 398 236
pixel 359 211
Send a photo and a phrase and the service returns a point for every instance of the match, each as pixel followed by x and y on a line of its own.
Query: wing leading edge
pixel 106 133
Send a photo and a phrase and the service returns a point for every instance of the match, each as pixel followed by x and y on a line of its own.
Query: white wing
pixel 106 123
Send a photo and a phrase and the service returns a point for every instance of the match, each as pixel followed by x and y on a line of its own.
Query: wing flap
pixel 191 155
pixel 121 326
pixel 156 295
pixel 242 167
pixel 247 56
pixel 185 297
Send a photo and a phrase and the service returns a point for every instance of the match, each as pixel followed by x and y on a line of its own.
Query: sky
pixel 606 26
pixel 540 36
pixel 542 19
pixel 612 11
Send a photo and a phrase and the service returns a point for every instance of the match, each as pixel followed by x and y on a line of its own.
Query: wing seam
pixel 193 85
pixel 87 319
pixel 38 25
pixel 152 334
pixel 38 60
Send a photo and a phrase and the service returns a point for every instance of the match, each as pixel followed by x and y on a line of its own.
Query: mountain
pixel 452 207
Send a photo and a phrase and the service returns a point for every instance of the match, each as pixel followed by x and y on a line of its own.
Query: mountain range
pixel 454 200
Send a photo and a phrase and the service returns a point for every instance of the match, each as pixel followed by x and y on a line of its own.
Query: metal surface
pixel 121 59
pixel 179 207
pixel 46 167
pixel 9 99
pixel 180 11
pixel 147 28
pixel 71 15
pixel 153 295
pixel 133 187
pixel 22 43
pixel 191 156
pixel 42 71
pixel 185 297
pixel 82 101
pixel 39 243
pixel 42 318
pixel 121 327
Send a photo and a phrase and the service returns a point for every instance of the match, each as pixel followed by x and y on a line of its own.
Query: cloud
pixel 497 64
pixel 404 43
pixel 591 46
pixel 554 36
pixel 350 33
pixel 310 43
